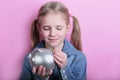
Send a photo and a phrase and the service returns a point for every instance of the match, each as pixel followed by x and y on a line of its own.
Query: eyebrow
pixel 45 25
pixel 49 26
pixel 59 26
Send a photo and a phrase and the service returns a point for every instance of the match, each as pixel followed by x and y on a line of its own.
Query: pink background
pixel 100 25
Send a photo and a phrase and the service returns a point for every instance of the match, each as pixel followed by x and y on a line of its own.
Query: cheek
pixel 63 33
pixel 44 34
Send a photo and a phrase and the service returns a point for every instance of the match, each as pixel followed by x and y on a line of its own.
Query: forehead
pixel 53 18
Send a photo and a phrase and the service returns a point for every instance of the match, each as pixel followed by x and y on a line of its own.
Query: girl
pixel 49 31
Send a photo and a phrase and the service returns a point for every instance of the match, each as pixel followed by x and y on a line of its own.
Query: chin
pixel 53 45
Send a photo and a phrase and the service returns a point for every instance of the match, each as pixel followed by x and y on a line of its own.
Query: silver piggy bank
pixel 42 56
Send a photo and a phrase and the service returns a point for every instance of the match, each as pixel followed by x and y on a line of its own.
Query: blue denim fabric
pixel 74 70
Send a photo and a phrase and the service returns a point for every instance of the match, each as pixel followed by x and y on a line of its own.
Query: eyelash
pixel 59 28
pixel 47 28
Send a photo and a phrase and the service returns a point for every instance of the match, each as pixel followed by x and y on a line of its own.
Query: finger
pixel 58 58
pixel 43 71
pixel 34 70
pixel 50 72
pixel 60 54
pixel 61 64
pixel 58 62
pixel 39 71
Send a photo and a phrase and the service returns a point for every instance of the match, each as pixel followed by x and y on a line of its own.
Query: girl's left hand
pixel 60 58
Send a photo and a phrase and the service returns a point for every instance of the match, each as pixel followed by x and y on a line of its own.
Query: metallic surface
pixel 42 56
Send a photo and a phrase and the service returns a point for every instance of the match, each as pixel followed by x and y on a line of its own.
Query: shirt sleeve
pixel 75 68
pixel 27 74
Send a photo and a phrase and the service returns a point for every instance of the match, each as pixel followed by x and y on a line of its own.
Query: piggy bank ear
pixel 30 55
pixel 32 52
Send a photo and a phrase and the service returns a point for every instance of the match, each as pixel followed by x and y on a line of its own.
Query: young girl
pixel 49 31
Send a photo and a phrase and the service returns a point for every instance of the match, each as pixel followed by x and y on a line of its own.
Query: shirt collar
pixel 67 48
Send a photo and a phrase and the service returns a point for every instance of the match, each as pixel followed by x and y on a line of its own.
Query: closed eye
pixel 59 27
pixel 46 27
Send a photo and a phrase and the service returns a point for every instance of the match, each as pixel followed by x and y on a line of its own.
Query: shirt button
pixel 63 71
pixel 65 77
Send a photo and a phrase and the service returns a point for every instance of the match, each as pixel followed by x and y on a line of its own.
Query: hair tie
pixel 70 15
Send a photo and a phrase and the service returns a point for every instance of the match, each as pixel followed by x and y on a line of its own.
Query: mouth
pixel 53 40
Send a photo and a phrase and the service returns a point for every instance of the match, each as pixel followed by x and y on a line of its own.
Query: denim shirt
pixel 74 70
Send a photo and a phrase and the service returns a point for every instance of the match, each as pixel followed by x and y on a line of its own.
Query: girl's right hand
pixel 41 71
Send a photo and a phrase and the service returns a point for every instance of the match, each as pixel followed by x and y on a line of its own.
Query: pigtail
pixel 34 33
pixel 76 34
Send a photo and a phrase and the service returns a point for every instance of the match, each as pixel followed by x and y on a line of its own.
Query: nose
pixel 52 32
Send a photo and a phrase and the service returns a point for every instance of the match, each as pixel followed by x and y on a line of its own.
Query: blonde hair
pixel 60 8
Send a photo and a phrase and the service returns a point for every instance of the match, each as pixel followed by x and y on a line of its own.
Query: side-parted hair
pixel 59 8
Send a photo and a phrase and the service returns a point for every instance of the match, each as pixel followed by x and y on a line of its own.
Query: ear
pixel 68 27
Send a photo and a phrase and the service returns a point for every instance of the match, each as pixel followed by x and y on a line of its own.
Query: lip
pixel 53 40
